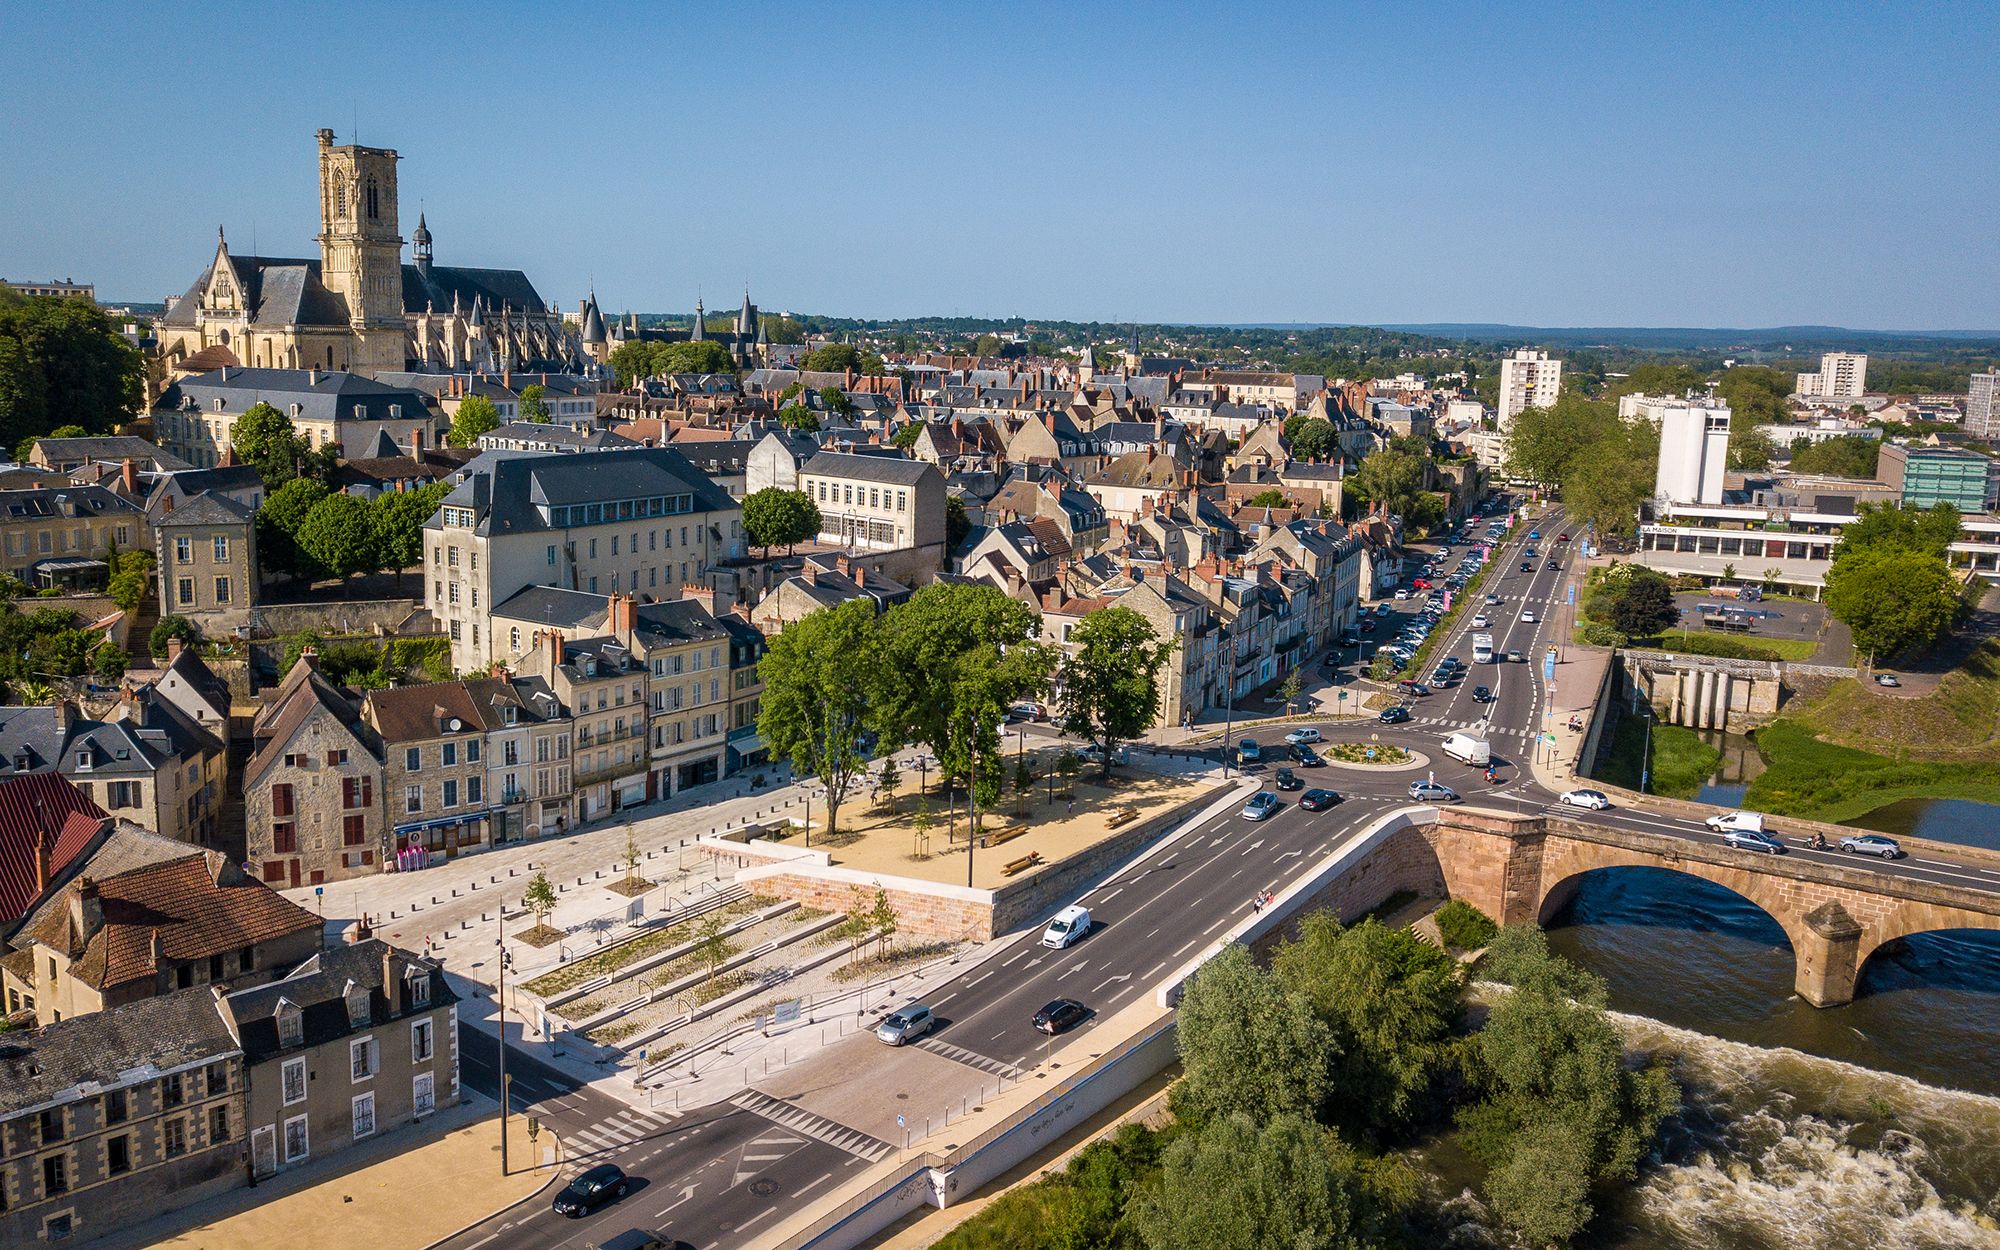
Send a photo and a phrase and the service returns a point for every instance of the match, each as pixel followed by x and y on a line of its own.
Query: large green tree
pixel 278 524
pixel 1838 457
pixel 339 536
pixel 1314 439
pixel 1545 444
pixel 1757 396
pixel 1644 606
pixel 476 415
pixel 1606 484
pixel 1395 481
pixel 1892 599
pixel 1248 1044
pixel 1890 526
pixel 1254 1184
pixel 819 676
pixel 62 361
pixel 775 517
pixel 398 518
pixel 836 357
pixel 1111 678
pixel 535 404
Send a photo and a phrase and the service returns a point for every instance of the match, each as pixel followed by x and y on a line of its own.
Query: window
pixel 175 1137
pixel 294 1081
pixel 451 793
pixel 472 751
pixel 184 590
pixel 472 789
pixel 55 1175
pixel 420 1041
pixel 362 1059
pixel 448 754
pixel 52 1125
pixel 183 550
pixel 552 553
pixel 58 1227
pixel 114 1107
pixel 173 1091
pixel 291 1027
pixel 282 799
pixel 514 638
pixel 217 1079
pixel 423 1095
pixel 221 549
pixel 298 1141
pixel 412 761
pixel 364 1116
pixel 353 830
pixel 222 590
pixel 118 1155
pixel 284 838
pixel 335 759
pixel 356 792
pixel 218 1125
pixel 413 799
pixel 420 986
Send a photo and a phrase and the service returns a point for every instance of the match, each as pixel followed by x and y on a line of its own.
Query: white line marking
pixel 809 1188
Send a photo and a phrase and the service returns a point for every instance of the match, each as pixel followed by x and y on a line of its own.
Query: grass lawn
pixel 1681 760
pixel 1818 780
pixel 1959 721
pixel 1731 646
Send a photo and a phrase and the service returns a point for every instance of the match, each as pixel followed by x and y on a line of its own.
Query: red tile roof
pixel 33 806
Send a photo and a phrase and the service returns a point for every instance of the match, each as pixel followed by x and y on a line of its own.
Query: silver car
pixel 1872 844
pixel 906 1024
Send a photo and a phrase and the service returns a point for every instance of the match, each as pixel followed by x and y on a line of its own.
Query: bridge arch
pixel 1563 873
pixel 1876 943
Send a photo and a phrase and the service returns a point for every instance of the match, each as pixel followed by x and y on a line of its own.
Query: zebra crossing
pixel 1445 724
pixel 616 1131
pixel 817 1127
pixel 971 1059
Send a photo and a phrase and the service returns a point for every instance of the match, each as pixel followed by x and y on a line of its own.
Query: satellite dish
pixel 456 724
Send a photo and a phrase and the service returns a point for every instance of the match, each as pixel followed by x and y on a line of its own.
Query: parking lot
pixel 1770 619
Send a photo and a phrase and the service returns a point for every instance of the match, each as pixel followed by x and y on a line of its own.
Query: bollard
pixel 392 913
pixel 454 893
pixel 434 899
pixel 510 872
pixel 475 885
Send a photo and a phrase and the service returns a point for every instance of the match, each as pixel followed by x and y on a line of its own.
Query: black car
pixel 1287 780
pixel 1481 694
pixel 1306 756
pixel 1318 800
pixel 1394 715
pixel 591 1190
pixel 1059 1016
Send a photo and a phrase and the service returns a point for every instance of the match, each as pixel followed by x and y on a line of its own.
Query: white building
pixel 1694 452
pixel 1528 379
pixel 1842 375
pixel 1982 405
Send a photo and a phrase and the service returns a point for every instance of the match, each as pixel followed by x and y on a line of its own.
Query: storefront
pixel 425 842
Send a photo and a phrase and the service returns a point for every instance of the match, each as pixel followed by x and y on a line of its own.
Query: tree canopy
pixel 398 518
pixel 476 415
pixel 1254 1184
pixel 1249 1044
pixel 1395 481
pixel 535 404
pixel 775 517
pixel 819 677
pixel 278 523
pixel 799 417
pixel 837 357
pixel 1644 606
pixel 1314 439
pixel 1838 457
pixel 62 361
pixel 1893 599
pixel 1111 680
pixel 339 535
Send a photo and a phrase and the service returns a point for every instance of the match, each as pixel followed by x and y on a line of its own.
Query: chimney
pixel 417 446
pixel 229 456
pixel 225 373
pixel 128 474
pixel 554 640
pixel 844 566
pixel 810 574
pixel 152 944
pixel 1013 582
pixel 44 846
pixel 65 715
pixel 624 617
pixel 392 985
pixel 312 376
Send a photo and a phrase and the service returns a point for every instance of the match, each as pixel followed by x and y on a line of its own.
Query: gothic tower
pixel 361 255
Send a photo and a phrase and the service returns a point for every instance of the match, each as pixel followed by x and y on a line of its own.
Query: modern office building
pixel 1694 451
pixel 1528 379
pixel 1925 476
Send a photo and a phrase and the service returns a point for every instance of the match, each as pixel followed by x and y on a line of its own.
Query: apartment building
pixel 194 416
pixel 206 553
pixel 314 804
pixel 528 735
pixel 641 521
pixel 878 503
pixel 56 537
pixel 687 655
pixel 606 691
pixel 1982 405
pixel 1927 476
pixel 1694 451
pixel 1528 379
pixel 147 761
pixel 434 766
pixel 1842 375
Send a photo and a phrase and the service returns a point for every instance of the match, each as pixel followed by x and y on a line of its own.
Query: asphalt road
pixel 717 1176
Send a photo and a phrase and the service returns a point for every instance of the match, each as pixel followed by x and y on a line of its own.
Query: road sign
pixel 319 891
pixel 1549 665
pixel 1569 595
pixel 786 1012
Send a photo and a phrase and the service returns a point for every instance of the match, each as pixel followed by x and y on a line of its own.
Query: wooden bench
pixel 1124 817
pixel 1030 860
pixel 1005 835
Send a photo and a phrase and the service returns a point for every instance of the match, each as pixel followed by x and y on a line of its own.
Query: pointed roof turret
pixel 700 330
pixel 593 321
pixel 478 315
pixel 746 320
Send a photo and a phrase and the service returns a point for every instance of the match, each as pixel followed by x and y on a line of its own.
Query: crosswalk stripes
pixel 617 1131
pixel 1443 723
pixel 767 1148
pixel 817 1127
pixel 971 1059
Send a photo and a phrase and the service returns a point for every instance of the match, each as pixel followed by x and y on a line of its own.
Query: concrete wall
pixel 358 616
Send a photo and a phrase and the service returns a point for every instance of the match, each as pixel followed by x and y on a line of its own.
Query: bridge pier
pixel 1828 954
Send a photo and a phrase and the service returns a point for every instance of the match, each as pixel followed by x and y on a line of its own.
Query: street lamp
pixel 506 958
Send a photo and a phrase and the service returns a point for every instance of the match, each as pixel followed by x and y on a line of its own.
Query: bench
pixel 1124 817
pixel 1030 860
pixel 1005 835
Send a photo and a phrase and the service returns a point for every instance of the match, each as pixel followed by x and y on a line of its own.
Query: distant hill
pixel 1799 339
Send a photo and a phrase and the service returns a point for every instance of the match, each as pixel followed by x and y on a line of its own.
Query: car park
pixel 1432 792
pixel 1286 779
pixel 1872 844
pixel 1261 804
pixel 1754 840
pixel 1248 752
pixel 1307 734
pixel 1594 800
pixel 905 1024
pixel 590 1190
pixel 1394 715
pixel 1318 800
pixel 1060 1015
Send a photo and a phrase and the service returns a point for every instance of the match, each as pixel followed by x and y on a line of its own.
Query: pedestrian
pixel 1072 807
pixel 1256 903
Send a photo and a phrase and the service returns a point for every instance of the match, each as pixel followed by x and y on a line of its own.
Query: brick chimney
pixel 153 948
pixel 624 617
pixel 417 446
pixel 553 641
pixel 44 857
pixel 392 985
pixel 128 476
pixel 810 574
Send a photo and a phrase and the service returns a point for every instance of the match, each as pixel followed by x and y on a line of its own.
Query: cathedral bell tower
pixel 361 255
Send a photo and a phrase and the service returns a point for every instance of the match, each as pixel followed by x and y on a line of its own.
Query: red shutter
pixel 281 799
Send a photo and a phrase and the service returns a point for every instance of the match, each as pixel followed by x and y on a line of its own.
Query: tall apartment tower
pixel 1842 375
pixel 1982 405
pixel 1694 452
pixel 1528 379
pixel 361 253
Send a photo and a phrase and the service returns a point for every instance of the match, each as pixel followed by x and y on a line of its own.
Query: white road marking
pixel 816 1184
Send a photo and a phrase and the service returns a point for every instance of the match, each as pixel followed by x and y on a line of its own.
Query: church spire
pixel 700 330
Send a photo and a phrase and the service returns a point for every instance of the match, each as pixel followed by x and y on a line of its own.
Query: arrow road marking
pixel 1123 976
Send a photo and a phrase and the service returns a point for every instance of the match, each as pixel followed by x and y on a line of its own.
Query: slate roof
pixel 110 447
pixel 556 607
pixel 186 483
pixel 507 489
pixel 281 290
pixel 29 739
pixel 64 502
pixel 110 1048
pixel 675 623
pixel 418 713
pixel 319 986
pixel 894 470
pixel 199 905
pixel 331 395
pixel 35 807
pixel 553 435
pixel 205 509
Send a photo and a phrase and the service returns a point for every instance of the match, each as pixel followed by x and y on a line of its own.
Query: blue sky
pixel 1692 164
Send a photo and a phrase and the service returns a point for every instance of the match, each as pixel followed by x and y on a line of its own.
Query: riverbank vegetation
pixel 1681 760
pixel 1806 777
pixel 1309 1086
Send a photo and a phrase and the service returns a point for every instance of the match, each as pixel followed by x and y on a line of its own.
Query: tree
pixel 888 781
pixel 882 918
pixel 1288 690
pixel 1838 457
pixel 1644 608
pixel 398 518
pixel 707 356
pixel 1392 1005
pixel 539 898
pixel 1249 1184
pixel 109 664
pixel 64 358
pixel 837 358
pixel 819 678
pixel 26 448
pixel 171 627
pixel 921 821
pixel 800 418
pixel 1891 526
pixel 262 432
pixel 1111 679
pixel 632 854
pixel 476 415
pixel 632 361
pixel 1068 765
pixel 534 406
pixel 131 577
pixel 1543 444
pixel 1892 599
pixel 775 517
pixel 1270 498
pixel 1606 484
pixel 1315 439
pixel 1249 1045
pixel 278 524
pixel 338 535
pixel 907 434
pixel 1757 396
pixel 836 400
pixel 711 946
pixel 957 525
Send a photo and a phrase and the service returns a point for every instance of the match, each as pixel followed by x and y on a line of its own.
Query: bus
pixel 1482 649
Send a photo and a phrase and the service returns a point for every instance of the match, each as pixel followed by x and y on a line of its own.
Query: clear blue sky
pixel 1690 164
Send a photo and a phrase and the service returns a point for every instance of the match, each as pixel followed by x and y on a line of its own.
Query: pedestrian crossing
pixel 971 1059
pixel 1445 724
pixel 616 1132
pixel 817 1127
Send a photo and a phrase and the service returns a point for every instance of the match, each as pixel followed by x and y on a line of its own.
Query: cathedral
pixel 747 344
pixel 359 307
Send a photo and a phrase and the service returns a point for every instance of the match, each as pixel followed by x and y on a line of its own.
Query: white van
pixel 1069 926
pixel 1740 822
pixel 1469 749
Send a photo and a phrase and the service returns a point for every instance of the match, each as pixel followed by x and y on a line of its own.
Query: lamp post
pixel 1228 709
pixel 500 924
pixel 972 797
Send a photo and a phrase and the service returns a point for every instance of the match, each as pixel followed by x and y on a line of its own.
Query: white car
pixel 1527 618
pixel 1298 736
pixel 1592 799
pixel 1403 594
pixel 1479 620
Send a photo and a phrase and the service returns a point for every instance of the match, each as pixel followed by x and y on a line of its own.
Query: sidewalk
pixel 366 1191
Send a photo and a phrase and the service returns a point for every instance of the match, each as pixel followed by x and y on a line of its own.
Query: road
pixel 717 1176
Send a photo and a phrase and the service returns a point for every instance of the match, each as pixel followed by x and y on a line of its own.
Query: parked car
pixel 1886 679
pixel 590 1190
pixel 1059 1015
pixel 1403 593
pixel 1432 792
pixel 1872 844
pixel 1287 780
pixel 1754 840
pixel 1318 800
pixel 905 1024
pixel 1394 715
pixel 1248 752
pixel 1595 800
pixel 1261 804
pixel 1307 734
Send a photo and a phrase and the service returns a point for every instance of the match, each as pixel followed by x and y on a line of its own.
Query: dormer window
pixel 419 980
pixel 291 1023
pixel 83 761
pixel 357 1004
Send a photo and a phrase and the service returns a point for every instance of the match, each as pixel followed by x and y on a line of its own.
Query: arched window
pixel 340 201
pixel 374 206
